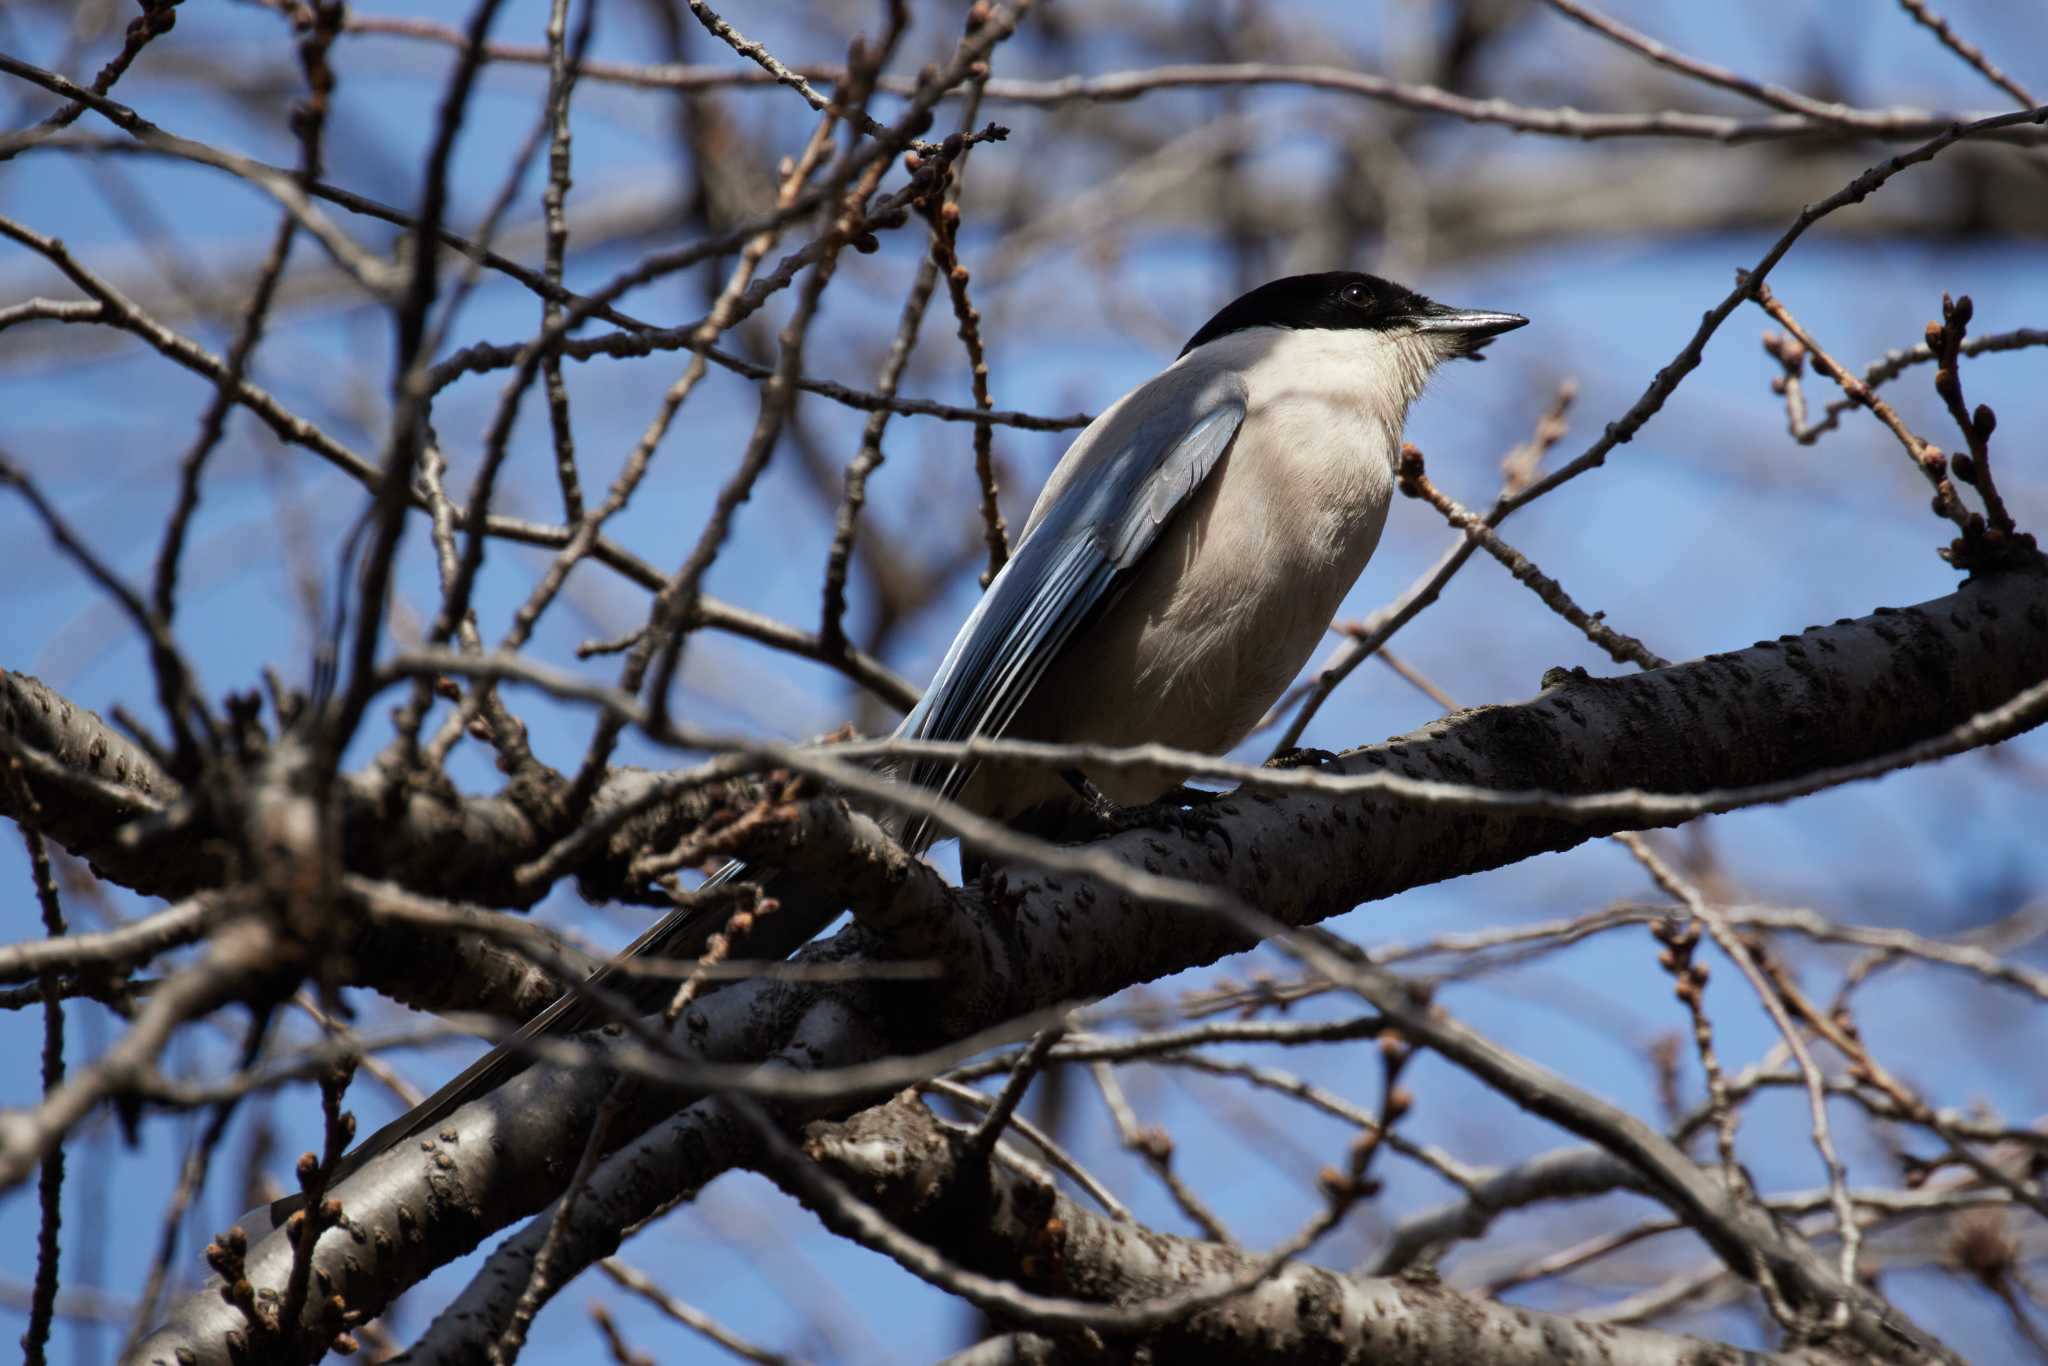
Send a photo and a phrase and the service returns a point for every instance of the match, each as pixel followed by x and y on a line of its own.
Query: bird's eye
pixel 1357 295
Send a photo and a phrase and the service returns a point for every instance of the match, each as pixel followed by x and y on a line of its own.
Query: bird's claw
pixel 1301 758
pixel 1184 810
pixel 1090 814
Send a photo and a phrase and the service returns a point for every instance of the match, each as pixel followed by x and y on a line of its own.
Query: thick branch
pixel 424 835
pixel 1778 710
pixel 1782 709
pixel 1000 1222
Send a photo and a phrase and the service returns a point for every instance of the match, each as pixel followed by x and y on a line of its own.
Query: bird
pixel 1177 571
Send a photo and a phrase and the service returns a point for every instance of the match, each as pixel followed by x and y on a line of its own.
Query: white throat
pixel 1367 375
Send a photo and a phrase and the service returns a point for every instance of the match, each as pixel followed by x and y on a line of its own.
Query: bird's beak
pixel 1462 331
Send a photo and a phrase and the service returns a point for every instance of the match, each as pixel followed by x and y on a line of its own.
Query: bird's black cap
pixel 1350 299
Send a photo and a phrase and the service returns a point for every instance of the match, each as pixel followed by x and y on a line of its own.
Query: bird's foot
pixel 1090 814
pixel 1301 758
pixel 1191 811
pixel 1186 810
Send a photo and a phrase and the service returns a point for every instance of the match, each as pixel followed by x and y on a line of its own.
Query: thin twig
pixel 1060 1159
pixel 50 1181
pixel 1968 51
pixel 629 1277
pixel 1155 1148
pixel 944 217
pixel 672 606
pixel 181 700
pixel 982 1142
pixel 1622 649
pixel 562 73
pixel 506 1346
pixel 1745 962
pixel 373 546
pixel 783 76
pixel 1122 86
pixel 869 457
pixel 1688 358
pixel 1822 112
pixel 1925 455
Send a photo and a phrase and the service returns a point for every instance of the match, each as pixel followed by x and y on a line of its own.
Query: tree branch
pixel 1831 696
pixel 996 1221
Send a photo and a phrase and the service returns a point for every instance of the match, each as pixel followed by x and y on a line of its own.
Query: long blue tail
pixel 682 934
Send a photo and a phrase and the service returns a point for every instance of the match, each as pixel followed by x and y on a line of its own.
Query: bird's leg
pixel 1091 814
pixel 1088 815
pixel 1180 808
pixel 1094 798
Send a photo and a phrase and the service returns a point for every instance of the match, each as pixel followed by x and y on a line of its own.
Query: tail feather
pixel 682 933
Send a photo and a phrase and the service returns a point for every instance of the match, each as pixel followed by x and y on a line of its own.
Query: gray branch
pixel 1030 941
pixel 993 1220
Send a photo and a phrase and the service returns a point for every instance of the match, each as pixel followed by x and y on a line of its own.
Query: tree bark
pixel 1028 940
pixel 998 1222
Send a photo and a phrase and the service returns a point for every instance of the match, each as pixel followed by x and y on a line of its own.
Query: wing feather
pixel 1121 482
pixel 1130 476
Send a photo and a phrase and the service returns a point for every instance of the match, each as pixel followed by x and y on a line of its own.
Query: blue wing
pixel 1118 485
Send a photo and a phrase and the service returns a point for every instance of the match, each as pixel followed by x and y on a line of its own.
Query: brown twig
pixel 615 1341
pixel 1968 51
pixel 309 122
pixel 1945 339
pixel 628 1277
pixel 320 1214
pixel 1877 374
pixel 1925 455
pixel 638 338
pixel 459 573
pixel 942 211
pixel 191 1176
pixel 373 547
pixel 563 69
pixel 945 232
pixel 505 1348
pixel 1623 649
pixel 50 1181
pixel 673 604
pixel 982 1142
pixel 180 699
pixel 1689 980
pixel 849 225
pixel 1518 469
pixel 1747 963
pixel 1864 1069
pixel 482 709
pixel 1356 1181
pixel 869 456
pixel 1823 113
pixel 1120 86
pixel 158 17
pixel 724 311
pixel 1747 282
pixel 1154 1147
pixel 783 76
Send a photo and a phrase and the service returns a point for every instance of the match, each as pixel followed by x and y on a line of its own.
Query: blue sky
pixel 1709 531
